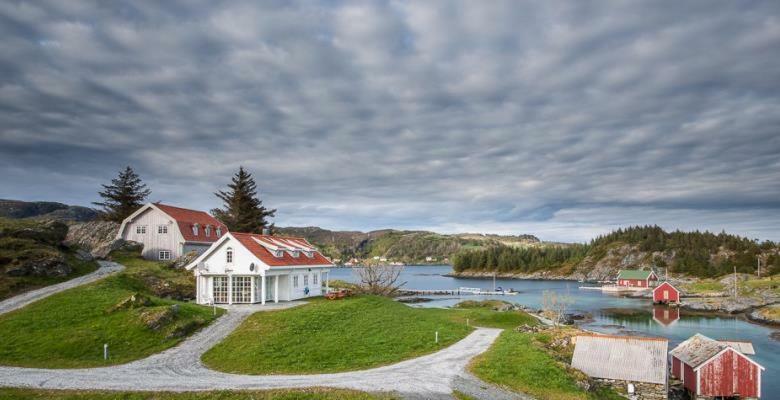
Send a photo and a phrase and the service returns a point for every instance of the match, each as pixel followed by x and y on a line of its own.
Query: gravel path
pixel 180 369
pixel 17 302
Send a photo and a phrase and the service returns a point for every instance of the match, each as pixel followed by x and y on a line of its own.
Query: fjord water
pixel 611 314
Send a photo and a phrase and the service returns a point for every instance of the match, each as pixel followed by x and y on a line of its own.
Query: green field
pixel 68 329
pixel 517 363
pixel 357 333
pixel 291 394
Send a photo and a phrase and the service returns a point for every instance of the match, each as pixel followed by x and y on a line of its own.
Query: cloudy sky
pixel 559 119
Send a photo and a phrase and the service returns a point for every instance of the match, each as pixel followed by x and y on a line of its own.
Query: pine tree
pixel 243 210
pixel 123 196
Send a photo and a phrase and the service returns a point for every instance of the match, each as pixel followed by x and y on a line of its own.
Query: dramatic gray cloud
pixel 563 119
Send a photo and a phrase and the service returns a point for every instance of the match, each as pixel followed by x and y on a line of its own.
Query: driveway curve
pixel 19 301
pixel 180 369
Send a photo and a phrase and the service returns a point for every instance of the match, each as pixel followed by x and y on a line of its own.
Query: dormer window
pixel 278 253
pixel 208 230
pixel 195 229
pixel 229 255
pixel 294 253
pixel 309 253
pixel 219 231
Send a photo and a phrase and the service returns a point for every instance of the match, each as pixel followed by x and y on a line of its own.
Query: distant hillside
pixel 701 254
pixel 17 209
pixel 401 246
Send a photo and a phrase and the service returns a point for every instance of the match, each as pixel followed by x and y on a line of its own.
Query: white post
pixel 262 289
pixel 437 336
pixel 105 351
pixel 252 287
pixel 197 287
pixel 276 288
pixel 230 289
pixel 327 282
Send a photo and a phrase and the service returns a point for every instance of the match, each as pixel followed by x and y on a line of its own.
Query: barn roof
pixel 666 283
pixel 186 219
pixel 628 358
pixel 633 274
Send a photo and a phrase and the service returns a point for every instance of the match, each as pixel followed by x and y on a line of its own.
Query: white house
pixel 168 232
pixel 251 268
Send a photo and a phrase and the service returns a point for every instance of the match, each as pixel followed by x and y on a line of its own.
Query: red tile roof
pixel 186 218
pixel 250 241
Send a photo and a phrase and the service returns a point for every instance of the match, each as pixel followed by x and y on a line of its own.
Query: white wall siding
pixel 154 242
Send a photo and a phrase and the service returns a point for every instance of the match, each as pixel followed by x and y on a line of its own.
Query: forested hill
pixel 401 246
pixel 701 254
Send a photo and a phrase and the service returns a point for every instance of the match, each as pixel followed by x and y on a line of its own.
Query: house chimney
pixel 266 231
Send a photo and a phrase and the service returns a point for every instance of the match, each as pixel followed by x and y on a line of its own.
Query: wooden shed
pixel 666 293
pixel 636 278
pixel 710 368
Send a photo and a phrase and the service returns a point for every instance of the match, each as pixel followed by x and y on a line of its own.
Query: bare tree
pixel 554 306
pixel 379 279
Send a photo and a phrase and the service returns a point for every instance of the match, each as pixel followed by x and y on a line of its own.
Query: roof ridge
pixel 625 337
pixel 181 208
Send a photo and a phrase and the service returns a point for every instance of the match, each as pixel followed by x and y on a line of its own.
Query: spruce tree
pixel 123 196
pixel 243 211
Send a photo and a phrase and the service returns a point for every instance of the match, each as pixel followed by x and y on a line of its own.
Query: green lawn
pixel 517 363
pixel 68 329
pixel 290 394
pixel 333 336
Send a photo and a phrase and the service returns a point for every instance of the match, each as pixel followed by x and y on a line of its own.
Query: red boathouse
pixel 636 278
pixel 665 293
pixel 710 368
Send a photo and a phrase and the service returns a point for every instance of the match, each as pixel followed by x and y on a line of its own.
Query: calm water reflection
pixel 611 314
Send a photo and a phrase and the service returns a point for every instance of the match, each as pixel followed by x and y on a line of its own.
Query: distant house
pixel 666 293
pixel 712 368
pixel 251 268
pixel 632 363
pixel 168 232
pixel 636 278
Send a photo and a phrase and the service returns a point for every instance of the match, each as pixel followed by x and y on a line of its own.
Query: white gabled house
pixel 168 232
pixel 251 268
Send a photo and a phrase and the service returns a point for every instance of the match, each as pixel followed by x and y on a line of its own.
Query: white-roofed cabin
pixel 243 268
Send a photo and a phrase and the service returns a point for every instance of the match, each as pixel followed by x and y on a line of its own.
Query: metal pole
pixel 105 351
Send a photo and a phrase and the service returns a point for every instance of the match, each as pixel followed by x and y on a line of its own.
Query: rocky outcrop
pixel 45 210
pixel 97 237
pixel 184 260
pixel 766 315
pixel 39 263
pixel 48 232
pixel 727 305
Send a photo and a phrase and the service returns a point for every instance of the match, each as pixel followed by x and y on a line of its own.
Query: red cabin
pixel 636 278
pixel 665 293
pixel 711 368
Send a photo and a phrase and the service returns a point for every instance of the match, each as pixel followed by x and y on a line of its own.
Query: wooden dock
pixel 456 292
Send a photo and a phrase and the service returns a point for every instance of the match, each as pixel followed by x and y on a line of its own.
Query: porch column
pixel 198 295
pixel 327 281
pixel 252 289
pixel 262 289
pixel 230 289
pixel 276 288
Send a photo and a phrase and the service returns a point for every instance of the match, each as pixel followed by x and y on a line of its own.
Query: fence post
pixel 105 351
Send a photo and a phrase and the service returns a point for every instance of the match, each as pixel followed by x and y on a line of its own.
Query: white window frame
pixel 278 253
pixel 229 255
pixel 314 278
pixel 162 229
pixel 241 289
pixel 295 253
pixel 164 255
pixel 208 230
pixel 140 229
pixel 295 281
pixel 219 231
pixel 195 229
pixel 306 280
pixel 220 289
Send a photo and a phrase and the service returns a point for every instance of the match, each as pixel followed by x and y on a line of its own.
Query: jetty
pixel 462 291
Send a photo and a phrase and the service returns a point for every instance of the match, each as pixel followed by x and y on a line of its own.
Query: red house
pixel 636 278
pixel 665 293
pixel 710 368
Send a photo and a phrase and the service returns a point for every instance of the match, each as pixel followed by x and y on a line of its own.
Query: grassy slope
pixel 516 362
pixel 12 248
pixel 68 329
pixel 333 336
pixel 750 287
pixel 297 394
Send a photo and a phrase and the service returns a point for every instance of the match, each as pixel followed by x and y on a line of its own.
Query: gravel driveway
pixel 180 369
pixel 17 302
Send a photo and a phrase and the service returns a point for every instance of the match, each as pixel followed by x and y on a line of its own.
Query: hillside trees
pixel 243 210
pixel 123 196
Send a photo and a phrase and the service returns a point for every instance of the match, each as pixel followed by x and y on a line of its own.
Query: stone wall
pixel 642 390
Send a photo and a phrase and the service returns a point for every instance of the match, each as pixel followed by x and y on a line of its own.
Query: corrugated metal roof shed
pixel 628 358
pixel 740 346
